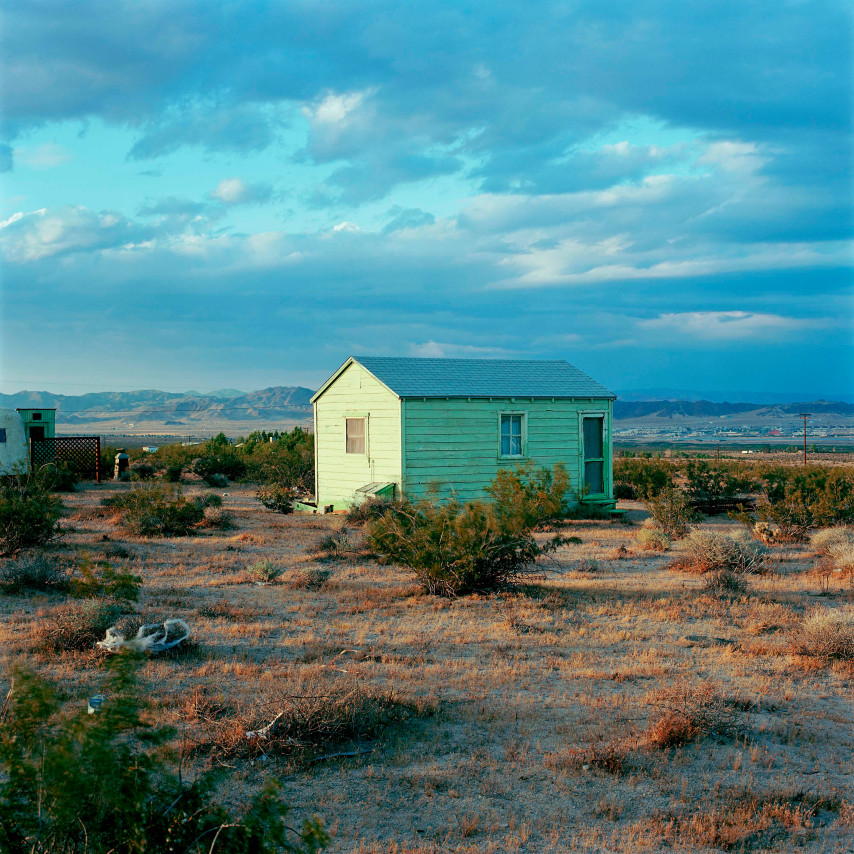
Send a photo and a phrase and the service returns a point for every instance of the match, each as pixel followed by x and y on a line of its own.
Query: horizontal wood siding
pixel 355 393
pixel 455 443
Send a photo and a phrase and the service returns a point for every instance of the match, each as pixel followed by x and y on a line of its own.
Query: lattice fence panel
pixel 80 453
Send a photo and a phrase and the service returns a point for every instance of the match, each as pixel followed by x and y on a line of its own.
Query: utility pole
pixel 805 415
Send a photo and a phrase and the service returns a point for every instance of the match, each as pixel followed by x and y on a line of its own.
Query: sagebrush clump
pixel 653 539
pixel 29 514
pixel 672 512
pixel 33 572
pixel 827 634
pixel 75 626
pixel 158 510
pixel 707 551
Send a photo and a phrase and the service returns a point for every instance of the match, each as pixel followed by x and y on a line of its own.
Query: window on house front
pixel 356 435
pixel 37 416
pixel 594 454
pixel 511 435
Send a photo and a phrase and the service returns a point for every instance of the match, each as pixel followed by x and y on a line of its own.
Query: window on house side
pixel 356 435
pixel 2 434
pixel 594 455
pixel 511 435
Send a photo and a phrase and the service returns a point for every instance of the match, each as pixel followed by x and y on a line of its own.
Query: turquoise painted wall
pixel 456 442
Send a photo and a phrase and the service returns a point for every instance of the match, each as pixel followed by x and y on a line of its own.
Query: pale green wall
pixel 355 394
pixel 455 442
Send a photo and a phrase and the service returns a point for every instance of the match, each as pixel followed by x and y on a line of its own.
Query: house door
pixel 37 432
pixel 594 455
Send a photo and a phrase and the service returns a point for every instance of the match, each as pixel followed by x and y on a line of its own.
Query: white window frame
pixel 523 415
pixel 352 416
pixel 606 445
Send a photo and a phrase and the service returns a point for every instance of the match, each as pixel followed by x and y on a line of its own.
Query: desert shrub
pixel 287 460
pixel 57 478
pixel 298 720
pixel 173 474
pixel 690 714
pixel 640 478
pixel 797 500
pixel 725 582
pixel 265 571
pixel 98 580
pixel 368 510
pixel 32 572
pixel 312 578
pixel 143 471
pixel 217 518
pixel 707 551
pixel 524 498
pixel 826 539
pixel 75 625
pixel 220 460
pixel 456 548
pixel 827 634
pixel 653 539
pixel 159 510
pixel 841 557
pixel 712 490
pixel 335 545
pixel 671 512
pixel 211 499
pixel 275 496
pixel 28 514
pixel 588 566
pixel 624 491
pixel 216 480
pixel 101 784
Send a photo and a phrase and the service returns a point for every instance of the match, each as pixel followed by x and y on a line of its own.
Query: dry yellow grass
pixel 527 711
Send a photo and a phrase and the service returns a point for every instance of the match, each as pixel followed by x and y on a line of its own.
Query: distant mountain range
pixel 292 403
pixel 167 407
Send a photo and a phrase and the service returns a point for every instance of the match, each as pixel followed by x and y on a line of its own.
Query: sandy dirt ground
pixel 527 713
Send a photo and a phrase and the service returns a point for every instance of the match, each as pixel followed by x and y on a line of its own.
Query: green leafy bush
pixel 158 510
pixel 143 471
pixel 713 490
pixel 57 478
pixel 287 460
pixel 455 548
pixel 275 496
pixel 797 500
pixel 641 478
pixel 98 580
pixel 28 514
pixel 528 496
pixel 101 784
pixel 671 511
pixel 220 458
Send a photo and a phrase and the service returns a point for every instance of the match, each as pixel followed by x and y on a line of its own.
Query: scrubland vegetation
pixel 488 677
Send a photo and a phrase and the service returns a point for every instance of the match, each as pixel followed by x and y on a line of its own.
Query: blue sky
pixel 222 194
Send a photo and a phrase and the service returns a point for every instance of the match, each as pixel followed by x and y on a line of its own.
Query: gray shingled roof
pixel 412 377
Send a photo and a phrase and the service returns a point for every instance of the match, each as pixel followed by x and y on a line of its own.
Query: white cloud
pixel 726 325
pixel 42 157
pixel 234 191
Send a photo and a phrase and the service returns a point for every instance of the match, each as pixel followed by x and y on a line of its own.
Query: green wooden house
pixel 395 427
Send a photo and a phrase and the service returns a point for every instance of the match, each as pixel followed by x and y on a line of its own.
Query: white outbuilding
pixel 14 449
